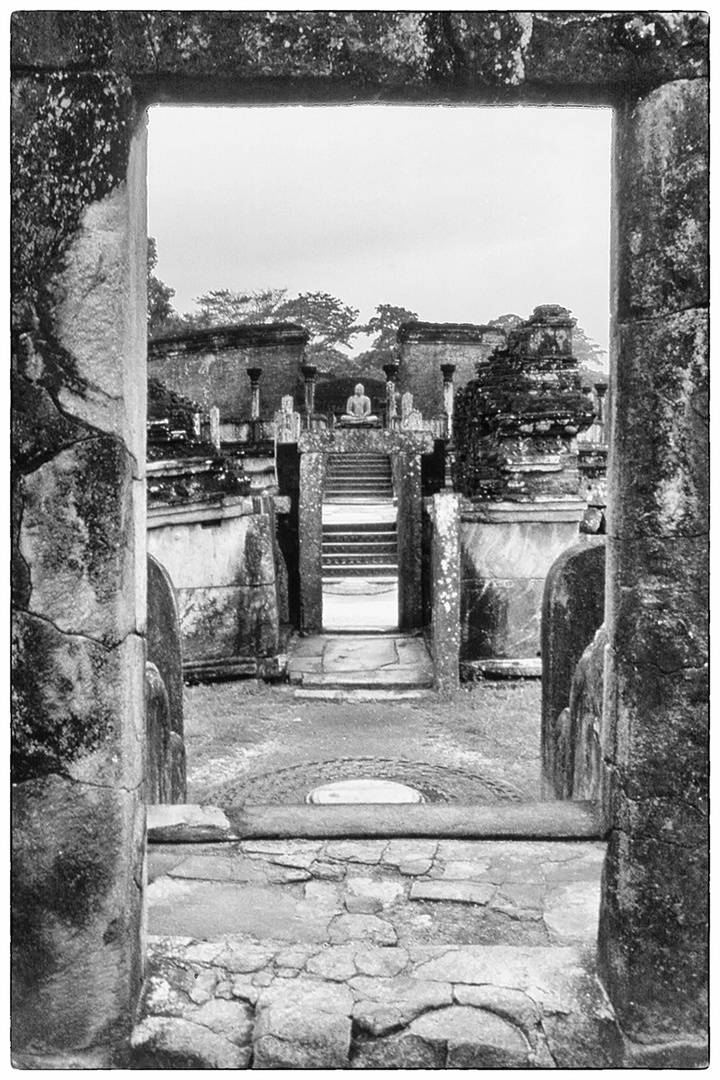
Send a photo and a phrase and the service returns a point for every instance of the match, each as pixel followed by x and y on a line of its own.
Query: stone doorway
pixel 79 273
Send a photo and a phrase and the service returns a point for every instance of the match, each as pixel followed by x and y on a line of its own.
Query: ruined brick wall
pixel 210 366
pixel 423 347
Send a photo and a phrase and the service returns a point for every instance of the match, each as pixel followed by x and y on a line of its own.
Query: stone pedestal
pixel 506 551
pixel 516 462
pixel 220 555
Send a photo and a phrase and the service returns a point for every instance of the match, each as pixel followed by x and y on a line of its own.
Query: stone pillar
pixel 445 571
pixel 653 920
pixel 80 337
pixel 391 374
pixel 309 373
pixel 254 373
pixel 407 480
pixel 215 426
pixel 448 370
pixel 312 478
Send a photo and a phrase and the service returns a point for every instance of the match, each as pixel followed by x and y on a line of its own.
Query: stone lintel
pixel 537 510
pixel 380 440
pixel 216 508
pixel 444 333
pixel 219 338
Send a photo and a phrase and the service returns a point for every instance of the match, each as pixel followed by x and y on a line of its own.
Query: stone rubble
pixel 481 958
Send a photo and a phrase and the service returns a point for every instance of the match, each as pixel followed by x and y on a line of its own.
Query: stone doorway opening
pixel 355 583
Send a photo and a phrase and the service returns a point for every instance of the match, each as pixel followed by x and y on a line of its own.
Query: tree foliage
pixel 160 310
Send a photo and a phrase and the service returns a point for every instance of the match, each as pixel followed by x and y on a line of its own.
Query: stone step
pixel 388 570
pixel 381 679
pixel 371 558
pixel 353 528
pixel 334 550
pixel 360 500
pixel 363 695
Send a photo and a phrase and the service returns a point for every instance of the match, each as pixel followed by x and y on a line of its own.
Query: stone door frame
pixel 405 450
pixel 80 295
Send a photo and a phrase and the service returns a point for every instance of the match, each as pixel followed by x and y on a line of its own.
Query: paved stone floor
pixel 374 954
pixel 370 662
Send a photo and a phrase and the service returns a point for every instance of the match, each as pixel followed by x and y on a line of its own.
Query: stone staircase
pixel 359 477
pixel 363 548
pixel 359 549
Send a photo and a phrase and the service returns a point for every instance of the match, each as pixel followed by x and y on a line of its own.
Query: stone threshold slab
pixel 365 695
pixel 396 678
pixel 510 821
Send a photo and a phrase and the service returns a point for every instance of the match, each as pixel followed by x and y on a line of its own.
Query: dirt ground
pixel 252 742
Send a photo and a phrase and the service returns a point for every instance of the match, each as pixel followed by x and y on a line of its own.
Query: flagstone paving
pixel 374 954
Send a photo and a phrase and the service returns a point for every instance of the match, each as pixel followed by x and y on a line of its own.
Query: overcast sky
pixel 460 214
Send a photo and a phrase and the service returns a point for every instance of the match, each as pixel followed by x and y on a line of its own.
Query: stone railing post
pixel 445 570
pixel 254 373
pixel 391 374
pixel 215 426
pixel 309 374
pixel 448 370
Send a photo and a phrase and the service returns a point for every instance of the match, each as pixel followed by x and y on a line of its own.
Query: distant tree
pixel 329 321
pixel 161 314
pixel 506 322
pixel 384 326
pixel 226 307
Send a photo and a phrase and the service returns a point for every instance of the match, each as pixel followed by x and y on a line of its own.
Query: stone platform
pixel 332 665
pixel 374 954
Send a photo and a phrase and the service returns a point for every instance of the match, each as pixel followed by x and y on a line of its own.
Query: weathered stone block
pixel 76 539
pixel 662 197
pixel 164 647
pixel 573 608
pixel 663 407
pixel 501 618
pixel 78 854
pixel 301 1037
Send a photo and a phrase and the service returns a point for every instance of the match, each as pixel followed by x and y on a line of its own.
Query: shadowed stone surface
pixel 573 608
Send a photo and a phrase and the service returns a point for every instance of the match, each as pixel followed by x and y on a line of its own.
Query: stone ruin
pixel 82 82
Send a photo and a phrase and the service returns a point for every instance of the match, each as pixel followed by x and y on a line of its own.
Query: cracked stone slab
pixel 462 892
pixel 399 852
pixel 231 867
pixel 370 928
pixel 571 911
pixel 359 654
pixel 383 1005
pixel 296 1036
pixel 354 851
pixel 386 892
pixel 308 994
pixel 162 1042
pixel 208 910
pixel 475 1039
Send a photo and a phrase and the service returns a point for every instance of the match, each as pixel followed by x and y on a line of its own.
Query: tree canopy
pixel 331 323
